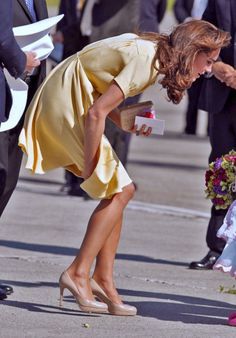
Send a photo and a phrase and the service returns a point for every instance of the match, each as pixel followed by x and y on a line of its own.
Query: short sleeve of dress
pixel 136 76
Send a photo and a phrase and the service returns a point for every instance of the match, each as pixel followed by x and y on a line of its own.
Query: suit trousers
pixel 11 154
pixel 10 162
pixel 222 134
pixel 192 109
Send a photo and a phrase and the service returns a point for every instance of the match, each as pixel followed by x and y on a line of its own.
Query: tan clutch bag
pixel 128 113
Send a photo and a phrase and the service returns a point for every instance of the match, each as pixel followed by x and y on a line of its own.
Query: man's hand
pixel 225 73
pixel 58 37
pixel 230 79
pixel 31 61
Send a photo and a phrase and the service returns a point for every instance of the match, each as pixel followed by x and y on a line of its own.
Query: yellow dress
pixel 53 133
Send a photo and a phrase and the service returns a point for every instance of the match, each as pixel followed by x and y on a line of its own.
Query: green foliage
pixel 170 4
pixel 52 2
pixel 231 291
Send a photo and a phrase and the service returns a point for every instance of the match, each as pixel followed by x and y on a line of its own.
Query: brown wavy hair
pixel 176 53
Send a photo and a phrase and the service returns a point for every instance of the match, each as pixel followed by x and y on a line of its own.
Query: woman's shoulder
pixel 132 45
pixel 114 42
pixel 146 47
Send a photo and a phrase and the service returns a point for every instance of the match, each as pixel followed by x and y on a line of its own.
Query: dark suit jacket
pixel 151 14
pixel 143 15
pixel 70 27
pixel 182 9
pixel 100 15
pixel 110 18
pixel 214 93
pixel 11 57
pixel 22 17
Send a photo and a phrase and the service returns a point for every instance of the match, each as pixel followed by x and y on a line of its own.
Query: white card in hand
pixel 157 125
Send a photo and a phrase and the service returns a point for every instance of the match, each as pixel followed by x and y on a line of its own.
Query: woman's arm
pixel 105 105
pixel 95 125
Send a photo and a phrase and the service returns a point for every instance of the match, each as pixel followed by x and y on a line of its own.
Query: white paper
pixel 19 91
pixel 157 125
pixel 42 47
pixel 35 30
pixel 34 37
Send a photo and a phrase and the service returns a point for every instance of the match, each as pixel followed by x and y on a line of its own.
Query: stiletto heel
pixel 86 305
pixel 61 296
pixel 113 308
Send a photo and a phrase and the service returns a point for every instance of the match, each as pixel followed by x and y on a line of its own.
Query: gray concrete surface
pixel 164 229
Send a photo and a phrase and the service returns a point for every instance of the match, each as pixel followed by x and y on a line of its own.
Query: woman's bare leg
pixel 103 272
pixel 101 224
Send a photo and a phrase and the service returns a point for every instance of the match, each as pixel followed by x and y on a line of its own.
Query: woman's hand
pixel 143 131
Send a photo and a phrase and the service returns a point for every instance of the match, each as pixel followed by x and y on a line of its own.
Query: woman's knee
pixel 130 190
pixel 127 194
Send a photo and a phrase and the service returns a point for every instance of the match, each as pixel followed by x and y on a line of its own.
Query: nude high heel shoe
pixel 113 308
pixel 86 305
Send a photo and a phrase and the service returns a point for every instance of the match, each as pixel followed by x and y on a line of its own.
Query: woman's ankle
pixel 78 274
pixel 106 283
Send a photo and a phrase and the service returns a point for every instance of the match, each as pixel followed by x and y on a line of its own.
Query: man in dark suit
pixel 68 29
pixel 220 101
pixel 69 34
pixel 10 153
pixel 186 10
pixel 151 14
pixel 22 16
pixel 183 10
pixel 14 60
pixel 13 157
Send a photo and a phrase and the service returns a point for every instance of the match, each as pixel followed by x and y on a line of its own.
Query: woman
pixel 65 123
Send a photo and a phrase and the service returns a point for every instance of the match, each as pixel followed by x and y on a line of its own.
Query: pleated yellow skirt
pixel 53 132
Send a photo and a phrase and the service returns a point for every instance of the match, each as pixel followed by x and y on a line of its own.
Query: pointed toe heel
pixel 113 308
pixel 86 305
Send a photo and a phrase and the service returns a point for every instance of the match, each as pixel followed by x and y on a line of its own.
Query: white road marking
pixel 166 209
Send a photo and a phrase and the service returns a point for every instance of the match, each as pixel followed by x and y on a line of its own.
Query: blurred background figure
pixel 91 20
pixel 68 29
pixel 186 10
pixel 151 14
pixel 220 101
pixel 69 36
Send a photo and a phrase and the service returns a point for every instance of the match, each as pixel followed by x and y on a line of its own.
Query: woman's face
pixel 203 63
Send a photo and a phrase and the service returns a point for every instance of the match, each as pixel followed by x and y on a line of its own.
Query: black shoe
pixel 3 294
pixel 6 288
pixel 76 192
pixel 206 263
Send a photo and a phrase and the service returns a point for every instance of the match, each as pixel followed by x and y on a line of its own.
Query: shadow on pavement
pixel 37 307
pixel 185 313
pixel 67 251
pixel 189 310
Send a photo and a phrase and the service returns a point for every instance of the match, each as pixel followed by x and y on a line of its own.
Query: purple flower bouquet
pixel 221 180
